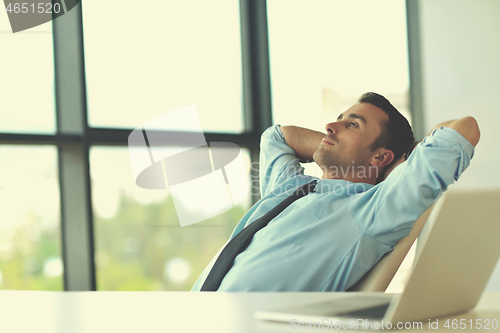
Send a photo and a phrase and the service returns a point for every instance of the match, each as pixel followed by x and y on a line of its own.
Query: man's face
pixel 347 141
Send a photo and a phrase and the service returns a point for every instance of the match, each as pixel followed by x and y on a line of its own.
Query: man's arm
pixel 303 141
pixel 467 127
pixel 415 185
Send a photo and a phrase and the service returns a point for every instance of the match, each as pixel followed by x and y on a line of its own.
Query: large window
pixel 139 67
pixel 74 89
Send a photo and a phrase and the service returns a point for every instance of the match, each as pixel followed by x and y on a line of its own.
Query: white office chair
pixel 380 276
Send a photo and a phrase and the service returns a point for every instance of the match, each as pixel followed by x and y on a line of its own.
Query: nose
pixel 332 127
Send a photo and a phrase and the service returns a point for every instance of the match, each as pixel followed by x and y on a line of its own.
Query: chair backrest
pixel 380 276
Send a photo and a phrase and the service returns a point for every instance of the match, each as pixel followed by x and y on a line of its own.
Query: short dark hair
pixel 396 134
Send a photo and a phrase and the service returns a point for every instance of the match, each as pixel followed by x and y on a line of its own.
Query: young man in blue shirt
pixel 366 200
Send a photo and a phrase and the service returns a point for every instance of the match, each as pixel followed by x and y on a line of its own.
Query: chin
pixel 316 154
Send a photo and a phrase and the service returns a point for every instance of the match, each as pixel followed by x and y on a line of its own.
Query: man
pixel 328 239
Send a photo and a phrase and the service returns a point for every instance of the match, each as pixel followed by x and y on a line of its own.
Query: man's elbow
pixel 468 128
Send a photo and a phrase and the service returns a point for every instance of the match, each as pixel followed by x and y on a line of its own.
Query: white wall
pixel 460 49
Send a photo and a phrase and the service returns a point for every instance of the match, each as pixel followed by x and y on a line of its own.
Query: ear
pixel 391 167
pixel 382 157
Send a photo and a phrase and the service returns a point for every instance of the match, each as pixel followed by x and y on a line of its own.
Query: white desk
pixel 145 312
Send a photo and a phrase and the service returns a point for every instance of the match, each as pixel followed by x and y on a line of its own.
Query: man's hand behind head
pixel 466 126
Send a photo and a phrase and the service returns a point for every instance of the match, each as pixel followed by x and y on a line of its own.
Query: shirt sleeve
pixel 278 161
pixel 388 210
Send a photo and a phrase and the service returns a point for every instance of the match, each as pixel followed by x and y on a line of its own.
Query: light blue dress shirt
pixel 329 239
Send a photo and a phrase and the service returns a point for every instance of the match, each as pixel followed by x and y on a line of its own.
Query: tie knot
pixel 306 188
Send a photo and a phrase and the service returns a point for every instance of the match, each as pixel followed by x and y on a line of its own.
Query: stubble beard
pixel 332 163
pixel 335 165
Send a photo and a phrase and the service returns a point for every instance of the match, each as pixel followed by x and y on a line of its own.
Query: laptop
pixel 456 255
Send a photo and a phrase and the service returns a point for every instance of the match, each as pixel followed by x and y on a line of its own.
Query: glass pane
pixel 180 53
pixel 30 248
pixel 325 54
pixel 27 79
pixel 139 242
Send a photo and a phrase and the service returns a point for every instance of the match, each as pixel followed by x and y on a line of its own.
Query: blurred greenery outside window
pixel 140 244
pixel 30 246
